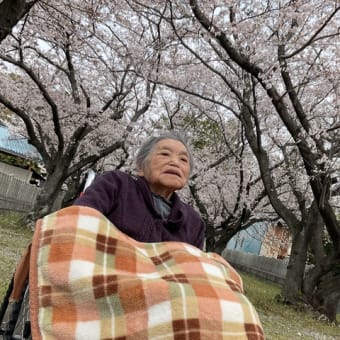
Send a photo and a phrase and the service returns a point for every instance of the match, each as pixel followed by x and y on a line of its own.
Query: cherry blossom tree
pixel 271 64
pixel 69 80
pixel 299 41
pixel 254 83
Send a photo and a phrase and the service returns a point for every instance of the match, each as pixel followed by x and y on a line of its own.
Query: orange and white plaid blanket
pixel 88 280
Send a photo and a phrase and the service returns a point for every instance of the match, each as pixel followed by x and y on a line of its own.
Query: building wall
pixel 276 242
pixel 249 240
pixel 261 239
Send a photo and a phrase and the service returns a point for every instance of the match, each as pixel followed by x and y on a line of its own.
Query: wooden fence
pixel 268 268
pixel 17 195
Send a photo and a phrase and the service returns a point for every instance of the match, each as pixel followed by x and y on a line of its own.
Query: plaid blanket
pixel 88 280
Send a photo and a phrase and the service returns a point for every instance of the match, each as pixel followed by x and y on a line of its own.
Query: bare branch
pixel 314 37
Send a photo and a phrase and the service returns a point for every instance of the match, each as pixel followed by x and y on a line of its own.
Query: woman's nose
pixel 174 161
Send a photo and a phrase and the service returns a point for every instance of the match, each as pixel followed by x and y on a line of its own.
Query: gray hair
pixel 147 147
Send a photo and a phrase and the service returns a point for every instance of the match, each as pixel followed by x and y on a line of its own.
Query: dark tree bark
pixel 321 285
pixel 11 11
pixel 57 176
pixel 327 293
pixel 296 267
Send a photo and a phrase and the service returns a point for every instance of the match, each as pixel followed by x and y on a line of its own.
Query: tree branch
pixel 11 11
pixel 29 126
pixel 45 94
pixel 313 37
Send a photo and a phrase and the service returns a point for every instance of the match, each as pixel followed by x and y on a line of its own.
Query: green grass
pixel 282 321
pixel 279 321
pixel 14 238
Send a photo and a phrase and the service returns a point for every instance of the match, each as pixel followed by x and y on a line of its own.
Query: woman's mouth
pixel 174 173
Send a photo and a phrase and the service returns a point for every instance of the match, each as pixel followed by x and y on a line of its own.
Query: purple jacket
pixel 128 203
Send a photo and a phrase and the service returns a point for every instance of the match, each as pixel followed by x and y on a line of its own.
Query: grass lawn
pixel 279 322
pixel 14 238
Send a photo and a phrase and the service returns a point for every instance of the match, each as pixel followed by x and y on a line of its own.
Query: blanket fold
pixel 88 280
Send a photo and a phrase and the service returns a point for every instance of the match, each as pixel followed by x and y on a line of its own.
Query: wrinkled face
pixel 167 168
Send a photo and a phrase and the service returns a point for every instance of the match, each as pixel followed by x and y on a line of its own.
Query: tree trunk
pixel 316 247
pixel 326 297
pixel 46 198
pixel 74 187
pixel 321 285
pixel 210 239
pixel 295 279
pixel 295 269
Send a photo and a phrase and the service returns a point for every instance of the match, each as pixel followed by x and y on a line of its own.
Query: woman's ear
pixel 140 172
pixel 141 168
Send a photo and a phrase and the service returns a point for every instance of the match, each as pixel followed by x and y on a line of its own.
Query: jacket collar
pixel 177 215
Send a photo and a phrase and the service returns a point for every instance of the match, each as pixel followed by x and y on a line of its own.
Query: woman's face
pixel 167 167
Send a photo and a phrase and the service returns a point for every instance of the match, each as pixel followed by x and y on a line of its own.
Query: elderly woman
pixel 146 207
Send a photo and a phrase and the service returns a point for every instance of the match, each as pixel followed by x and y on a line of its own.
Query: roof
pixel 17 145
